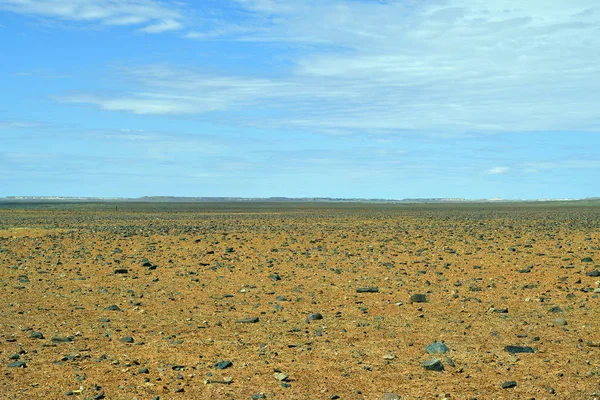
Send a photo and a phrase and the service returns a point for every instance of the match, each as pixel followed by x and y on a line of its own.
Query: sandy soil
pixel 182 279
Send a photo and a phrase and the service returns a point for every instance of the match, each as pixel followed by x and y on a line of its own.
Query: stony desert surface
pixel 299 301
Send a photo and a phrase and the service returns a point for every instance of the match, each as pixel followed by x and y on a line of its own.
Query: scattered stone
pixel 258 396
pixel 223 364
pixel 225 381
pixel 556 309
pixel 280 376
pixel 433 365
pixel 436 348
pixel 519 349
pixel 587 260
pixel 593 344
pixel 417 298
pixel 99 396
pixel 112 307
pixel 509 384
pixel 251 320
pixel 371 289
pixel 14 356
pixel 36 335
pixel 313 317
pixel 285 385
pixel 121 271
pixel 275 277
pixel 390 396
pixel 594 273
pixel 127 339
pixel 17 364
pixel 62 339
pixel 144 371
pixel 560 322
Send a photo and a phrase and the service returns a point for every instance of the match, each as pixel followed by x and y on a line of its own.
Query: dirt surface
pixel 145 301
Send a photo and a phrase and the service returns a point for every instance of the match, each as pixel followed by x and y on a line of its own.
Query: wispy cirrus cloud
pixel 497 170
pixel 154 16
pixel 448 67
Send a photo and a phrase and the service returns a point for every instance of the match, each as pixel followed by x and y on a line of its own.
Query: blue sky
pixel 300 98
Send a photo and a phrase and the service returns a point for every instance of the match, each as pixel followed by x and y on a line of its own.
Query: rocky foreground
pixel 347 302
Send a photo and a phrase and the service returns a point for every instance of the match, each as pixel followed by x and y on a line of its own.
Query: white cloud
pixel 157 16
pixel 19 125
pixel 497 170
pixel 449 67
pixel 163 26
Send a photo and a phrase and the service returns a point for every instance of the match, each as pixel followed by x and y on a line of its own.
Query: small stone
pixel 371 289
pixel 16 356
pixel 509 384
pixel 99 396
pixel 280 376
pixel 593 344
pixel 121 271
pixel 258 396
pixel 127 339
pixel 223 364
pixel 560 322
pixel 550 390
pixel 313 317
pixel 36 335
pixel 594 273
pixel 251 320
pixel 275 277
pixel 17 364
pixel 433 365
pixel 436 348
pixel 519 349
pixel 417 298
pixel 587 259
pixel 62 339
pixel 390 396
pixel 144 371
pixel 112 307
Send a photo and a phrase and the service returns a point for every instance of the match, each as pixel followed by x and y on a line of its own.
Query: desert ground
pixel 299 301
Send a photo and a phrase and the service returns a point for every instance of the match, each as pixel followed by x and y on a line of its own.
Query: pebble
pixel 509 384
pixel 313 317
pixel 390 396
pixel 560 322
pixel 36 335
pixel 433 365
pixel 594 273
pixel 62 339
pixel 436 348
pixel 258 396
pixel 251 320
pixel 17 364
pixel 417 298
pixel 519 349
pixel 223 364
pixel 112 307
pixel 280 376
pixel 370 289
pixel 127 339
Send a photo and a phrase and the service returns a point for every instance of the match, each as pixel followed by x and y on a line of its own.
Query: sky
pixel 385 99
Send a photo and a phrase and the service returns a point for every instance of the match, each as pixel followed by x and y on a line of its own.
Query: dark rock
pixel 17 364
pixel 450 362
pixel 121 271
pixel 179 390
pixel 251 320
pixel 275 277
pixel 258 396
pixel 223 364
pixel 501 310
pixel 587 259
pixel 14 356
pixel 99 396
pixel 285 385
pixel 509 384
pixel 36 335
pixel 144 371
pixel 371 289
pixel 417 298
pixel 519 349
pixel 595 273
pixel 313 317
pixel 433 365
pixel 112 307
pixel 436 348
pixel 556 309
pixel 127 339
pixel 62 339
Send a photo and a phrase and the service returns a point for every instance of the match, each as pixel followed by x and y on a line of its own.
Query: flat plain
pixel 299 301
